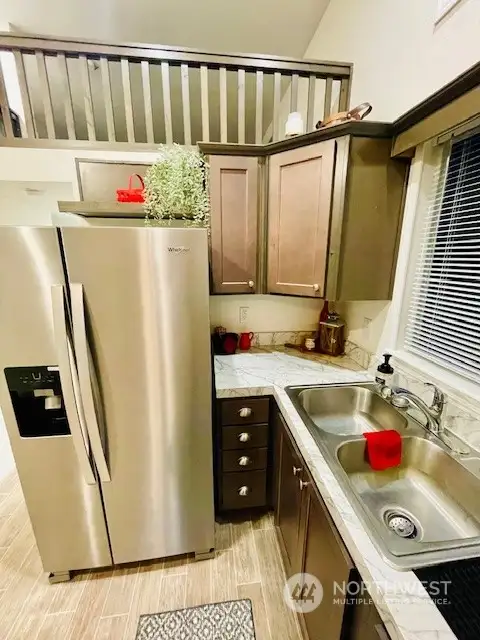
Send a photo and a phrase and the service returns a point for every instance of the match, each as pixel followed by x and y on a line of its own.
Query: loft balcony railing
pixel 71 90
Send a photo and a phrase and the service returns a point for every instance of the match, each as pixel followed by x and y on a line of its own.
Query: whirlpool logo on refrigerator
pixel 178 249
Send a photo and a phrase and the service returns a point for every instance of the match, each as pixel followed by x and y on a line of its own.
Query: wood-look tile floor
pixel 106 604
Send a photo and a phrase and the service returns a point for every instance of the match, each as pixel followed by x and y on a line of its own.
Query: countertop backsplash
pixel 461 416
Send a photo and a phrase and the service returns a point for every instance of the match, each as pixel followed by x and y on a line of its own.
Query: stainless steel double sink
pixel 423 512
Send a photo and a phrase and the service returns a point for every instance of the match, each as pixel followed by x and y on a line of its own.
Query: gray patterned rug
pixel 231 620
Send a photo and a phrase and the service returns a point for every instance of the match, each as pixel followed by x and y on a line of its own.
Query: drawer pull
pixel 303 484
pixel 244 437
pixel 245 412
pixel 243 461
pixel 244 491
pixel 296 470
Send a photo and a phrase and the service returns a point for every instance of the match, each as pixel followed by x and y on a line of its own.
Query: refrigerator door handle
pixel 83 362
pixel 68 378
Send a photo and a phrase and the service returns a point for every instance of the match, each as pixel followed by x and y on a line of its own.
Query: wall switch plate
pixel 243 315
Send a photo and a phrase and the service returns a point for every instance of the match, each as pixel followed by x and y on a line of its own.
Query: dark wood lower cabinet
pixel 310 543
pixel 326 558
pixel 366 623
pixel 289 505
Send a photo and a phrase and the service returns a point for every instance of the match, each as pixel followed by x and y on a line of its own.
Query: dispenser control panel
pixel 36 394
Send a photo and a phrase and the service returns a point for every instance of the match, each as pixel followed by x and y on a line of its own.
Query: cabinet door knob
pixel 303 484
pixel 244 437
pixel 244 491
pixel 245 412
pixel 243 461
pixel 296 470
pixel 251 284
pixel 316 287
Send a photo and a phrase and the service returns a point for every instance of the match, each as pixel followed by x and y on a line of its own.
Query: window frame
pixel 427 161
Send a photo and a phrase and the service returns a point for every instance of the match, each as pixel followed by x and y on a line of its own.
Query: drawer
pixel 245 411
pixel 245 437
pixel 244 460
pixel 242 490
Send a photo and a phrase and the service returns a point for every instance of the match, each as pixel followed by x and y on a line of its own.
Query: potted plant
pixel 177 186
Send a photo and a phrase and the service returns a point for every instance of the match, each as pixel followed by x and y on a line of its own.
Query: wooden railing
pixel 83 90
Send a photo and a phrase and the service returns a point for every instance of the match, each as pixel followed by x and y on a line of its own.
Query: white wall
pixel 31 203
pixel 57 165
pixel 265 313
pixel 400 56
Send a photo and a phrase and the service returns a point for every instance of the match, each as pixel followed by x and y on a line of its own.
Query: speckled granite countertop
pixel 405 607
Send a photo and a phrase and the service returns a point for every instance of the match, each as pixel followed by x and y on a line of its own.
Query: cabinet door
pixel 233 194
pixel 366 623
pixel 300 192
pixel 289 504
pixel 326 558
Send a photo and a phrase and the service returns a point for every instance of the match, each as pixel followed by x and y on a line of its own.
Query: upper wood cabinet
pixel 299 201
pixel 234 223
pixel 334 216
pixel 325 217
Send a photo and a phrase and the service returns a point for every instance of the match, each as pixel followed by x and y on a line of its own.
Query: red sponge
pixel 384 449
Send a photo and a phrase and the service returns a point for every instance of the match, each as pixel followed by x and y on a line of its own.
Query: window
pixel 443 322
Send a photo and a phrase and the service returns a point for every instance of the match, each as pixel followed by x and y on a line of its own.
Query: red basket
pixel 131 195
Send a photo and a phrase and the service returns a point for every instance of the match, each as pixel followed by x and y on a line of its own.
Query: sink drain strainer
pixel 401 524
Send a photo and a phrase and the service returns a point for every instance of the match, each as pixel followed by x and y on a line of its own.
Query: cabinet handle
pixel 382 634
pixel 316 287
pixel 244 491
pixel 244 437
pixel 296 470
pixel 303 484
pixel 245 412
pixel 251 284
pixel 243 461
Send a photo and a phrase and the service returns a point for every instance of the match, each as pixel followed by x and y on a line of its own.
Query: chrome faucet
pixel 433 413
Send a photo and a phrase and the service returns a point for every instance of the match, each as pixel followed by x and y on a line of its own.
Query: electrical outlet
pixel 243 315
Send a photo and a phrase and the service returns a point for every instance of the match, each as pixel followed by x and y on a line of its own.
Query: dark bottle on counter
pixel 324 312
pixel 385 371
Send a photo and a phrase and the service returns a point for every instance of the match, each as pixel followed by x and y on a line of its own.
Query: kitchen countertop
pixel 403 604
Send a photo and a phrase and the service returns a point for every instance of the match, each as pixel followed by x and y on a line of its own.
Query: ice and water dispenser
pixel 37 400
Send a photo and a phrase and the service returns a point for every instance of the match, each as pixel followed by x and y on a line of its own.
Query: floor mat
pixel 231 620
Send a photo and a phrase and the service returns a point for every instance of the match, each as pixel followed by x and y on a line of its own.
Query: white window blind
pixel 443 323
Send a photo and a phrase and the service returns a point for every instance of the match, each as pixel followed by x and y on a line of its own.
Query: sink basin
pixel 434 497
pixel 347 411
pixel 424 512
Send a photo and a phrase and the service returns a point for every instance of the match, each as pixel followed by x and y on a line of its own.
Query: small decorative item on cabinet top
pixel 356 114
pixel 331 335
pixel 294 125
pixel 177 186
pixel 132 194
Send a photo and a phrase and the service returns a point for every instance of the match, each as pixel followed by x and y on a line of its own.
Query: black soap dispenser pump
pixel 385 371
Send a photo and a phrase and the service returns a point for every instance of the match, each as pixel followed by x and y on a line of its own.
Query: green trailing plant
pixel 177 186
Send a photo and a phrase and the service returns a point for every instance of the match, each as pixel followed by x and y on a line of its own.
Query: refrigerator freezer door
pixel 66 512
pixel 146 299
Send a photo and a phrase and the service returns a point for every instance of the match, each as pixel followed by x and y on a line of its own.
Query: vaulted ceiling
pixel 251 26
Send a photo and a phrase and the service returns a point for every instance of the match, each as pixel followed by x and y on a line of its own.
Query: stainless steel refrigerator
pixel 105 372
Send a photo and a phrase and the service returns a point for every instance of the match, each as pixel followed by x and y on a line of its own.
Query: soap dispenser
pixel 385 372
